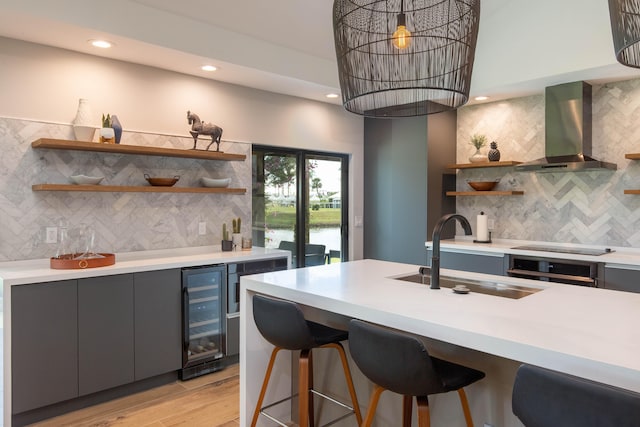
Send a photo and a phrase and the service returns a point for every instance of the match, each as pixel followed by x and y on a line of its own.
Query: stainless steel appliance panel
pixel 570 272
pixel 235 272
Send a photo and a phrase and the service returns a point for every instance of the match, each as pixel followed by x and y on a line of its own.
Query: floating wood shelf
pixel 632 156
pixel 486 193
pixel 482 165
pixel 63 144
pixel 135 189
pixel 631 191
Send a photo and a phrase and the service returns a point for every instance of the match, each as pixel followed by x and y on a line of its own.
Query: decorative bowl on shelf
pixel 161 182
pixel 212 182
pixel 483 185
pixel 85 180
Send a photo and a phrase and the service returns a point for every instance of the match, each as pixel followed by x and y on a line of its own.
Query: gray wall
pixel 441 149
pixel 404 159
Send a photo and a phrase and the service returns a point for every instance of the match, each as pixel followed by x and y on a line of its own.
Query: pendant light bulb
pixel 401 37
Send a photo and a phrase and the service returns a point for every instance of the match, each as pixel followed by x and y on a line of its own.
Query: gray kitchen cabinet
pixel 475 262
pixel 622 279
pixel 105 332
pixel 44 344
pixel 232 338
pixel 158 322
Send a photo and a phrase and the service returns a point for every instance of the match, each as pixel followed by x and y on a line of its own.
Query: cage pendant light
pixel 431 73
pixel 625 27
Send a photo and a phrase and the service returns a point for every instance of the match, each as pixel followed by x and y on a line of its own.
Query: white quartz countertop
pixel 621 256
pixel 588 332
pixel 35 271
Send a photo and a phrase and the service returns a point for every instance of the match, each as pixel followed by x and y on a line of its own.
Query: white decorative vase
pixel 478 157
pixel 237 239
pixel 83 125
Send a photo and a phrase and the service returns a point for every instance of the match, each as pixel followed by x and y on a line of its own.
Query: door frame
pixel 302 193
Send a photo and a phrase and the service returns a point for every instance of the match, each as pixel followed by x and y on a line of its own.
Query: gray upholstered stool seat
pixel 545 398
pixel 282 323
pixel 399 362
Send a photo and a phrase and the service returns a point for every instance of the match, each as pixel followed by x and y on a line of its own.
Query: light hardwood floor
pixel 209 401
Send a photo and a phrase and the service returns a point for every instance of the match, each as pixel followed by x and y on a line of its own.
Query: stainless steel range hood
pixel 567 131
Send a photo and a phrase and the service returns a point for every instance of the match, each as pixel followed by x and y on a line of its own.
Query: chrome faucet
pixel 435 255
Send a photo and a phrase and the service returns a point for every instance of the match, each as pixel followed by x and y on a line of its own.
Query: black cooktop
pixel 559 249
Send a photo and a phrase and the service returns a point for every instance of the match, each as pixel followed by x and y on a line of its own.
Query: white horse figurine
pixel 198 127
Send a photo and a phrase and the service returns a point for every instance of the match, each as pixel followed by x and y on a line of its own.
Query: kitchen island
pixel 588 332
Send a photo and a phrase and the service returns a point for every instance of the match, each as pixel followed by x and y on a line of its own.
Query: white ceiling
pixel 286 46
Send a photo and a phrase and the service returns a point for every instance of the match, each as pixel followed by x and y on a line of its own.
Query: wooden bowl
pixel 71 262
pixel 161 182
pixel 483 185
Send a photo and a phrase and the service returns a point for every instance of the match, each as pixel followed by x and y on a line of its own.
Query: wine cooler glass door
pixel 203 314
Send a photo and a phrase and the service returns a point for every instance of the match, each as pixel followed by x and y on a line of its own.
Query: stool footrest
pixel 320 394
pixel 331 399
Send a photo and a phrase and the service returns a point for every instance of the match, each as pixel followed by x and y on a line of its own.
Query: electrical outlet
pixel 52 235
pixel 202 228
pixel 491 224
pixel 357 221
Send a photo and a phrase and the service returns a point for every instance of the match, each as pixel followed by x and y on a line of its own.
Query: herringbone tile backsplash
pixel 122 222
pixel 577 207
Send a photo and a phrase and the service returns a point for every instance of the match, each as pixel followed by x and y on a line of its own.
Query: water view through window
pixel 298 204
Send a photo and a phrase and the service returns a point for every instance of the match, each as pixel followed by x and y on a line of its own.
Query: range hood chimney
pixel 567 131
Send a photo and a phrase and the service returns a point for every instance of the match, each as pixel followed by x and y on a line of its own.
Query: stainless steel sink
pixel 477 286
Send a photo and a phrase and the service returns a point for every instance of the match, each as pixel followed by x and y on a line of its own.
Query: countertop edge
pixel 620 256
pixel 14 273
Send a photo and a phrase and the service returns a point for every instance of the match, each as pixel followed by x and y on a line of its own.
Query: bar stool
pixel 544 398
pixel 400 363
pixel 283 325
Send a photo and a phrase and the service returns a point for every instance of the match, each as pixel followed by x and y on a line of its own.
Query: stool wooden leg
pixel 465 407
pixel 303 389
pixel 310 385
pixel 423 411
pixel 373 404
pixel 265 383
pixel 407 408
pixel 349 379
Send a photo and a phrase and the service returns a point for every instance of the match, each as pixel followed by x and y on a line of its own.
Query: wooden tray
pixel 66 262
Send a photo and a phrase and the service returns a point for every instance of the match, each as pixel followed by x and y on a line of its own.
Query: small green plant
pixel 478 140
pixel 237 223
pixel 106 121
pixel 225 233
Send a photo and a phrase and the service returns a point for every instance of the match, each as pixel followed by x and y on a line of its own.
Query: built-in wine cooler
pixel 204 320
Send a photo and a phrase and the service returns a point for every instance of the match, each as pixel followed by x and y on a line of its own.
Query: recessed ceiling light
pixel 103 44
pixel 332 95
pixel 209 68
pixel 481 98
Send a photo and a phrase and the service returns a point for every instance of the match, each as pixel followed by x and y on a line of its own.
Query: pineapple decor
pixel 494 153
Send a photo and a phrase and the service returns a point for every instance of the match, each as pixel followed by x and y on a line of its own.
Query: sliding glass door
pixel 299 203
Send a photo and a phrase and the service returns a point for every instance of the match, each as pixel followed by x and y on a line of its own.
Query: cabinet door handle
pixel 586 280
